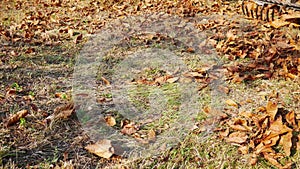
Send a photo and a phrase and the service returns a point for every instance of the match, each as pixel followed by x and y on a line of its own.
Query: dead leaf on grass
pixel 105 80
pixel 78 39
pixel 11 92
pixel 244 149
pixel 272 109
pixel 129 128
pixel 240 125
pixel 271 158
pixel 286 142
pixel 102 148
pixel 173 80
pixel 277 127
pixel 16 117
pixel 151 135
pixel 278 23
pixel 64 111
pixel 291 118
pixel 237 137
pixel 110 121
pixel 230 102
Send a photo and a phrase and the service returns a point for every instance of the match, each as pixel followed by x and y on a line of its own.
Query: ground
pixel 240 65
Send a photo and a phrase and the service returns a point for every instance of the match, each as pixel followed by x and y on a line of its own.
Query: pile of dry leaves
pixel 270 132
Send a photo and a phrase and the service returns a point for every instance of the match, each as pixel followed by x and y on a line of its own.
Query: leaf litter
pixel 255 50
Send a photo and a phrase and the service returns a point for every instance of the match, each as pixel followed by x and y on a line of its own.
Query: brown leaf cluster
pixel 255 48
pixel 132 129
pixel 271 54
pixel 262 133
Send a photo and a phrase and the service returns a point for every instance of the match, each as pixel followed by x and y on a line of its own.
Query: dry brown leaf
pixel 105 80
pixel 291 118
pixel 277 127
pixel 292 76
pixel 286 142
pixel 260 119
pixel 224 133
pixel 16 117
pixel 240 125
pixel 161 80
pixel 272 160
pixel 64 111
pixel 102 148
pixel 279 23
pixel 298 143
pixel 173 80
pixel 253 160
pixel 11 92
pixel 110 121
pixel 129 129
pixel 231 103
pixel 194 74
pixel 224 89
pixel 151 135
pixel 266 145
pixel 244 149
pixel 237 137
pixel 272 109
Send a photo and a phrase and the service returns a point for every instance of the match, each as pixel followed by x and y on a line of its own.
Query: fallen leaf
pixel 111 121
pixel 277 127
pixel 151 135
pixel 237 137
pixel 161 80
pixel 272 109
pixel 173 80
pixel 291 119
pixel 129 129
pixel 11 92
pixel 102 148
pixel 286 142
pixel 224 133
pixel 272 160
pixel 16 117
pixel 78 38
pixel 231 103
pixel 105 80
pixel 266 145
pixel 253 160
pixel 64 111
pixel 244 149
pixel 279 23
